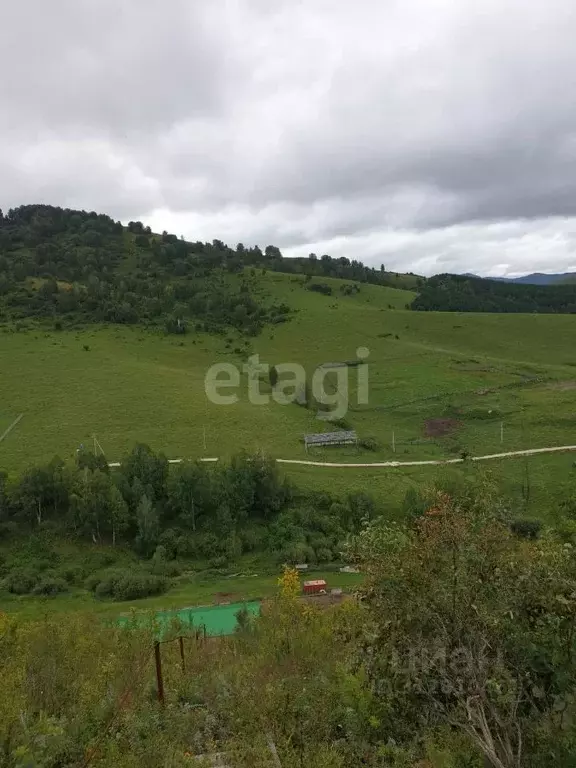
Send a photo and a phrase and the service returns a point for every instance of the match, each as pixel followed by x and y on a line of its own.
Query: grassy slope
pixel 133 385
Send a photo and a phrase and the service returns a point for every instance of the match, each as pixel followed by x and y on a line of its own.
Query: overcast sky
pixel 431 135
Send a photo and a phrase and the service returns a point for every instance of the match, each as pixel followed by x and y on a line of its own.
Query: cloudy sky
pixel 431 135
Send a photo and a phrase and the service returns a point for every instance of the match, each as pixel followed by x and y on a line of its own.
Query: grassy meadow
pixel 127 385
pixel 467 373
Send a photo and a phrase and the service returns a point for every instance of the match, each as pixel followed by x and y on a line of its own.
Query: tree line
pixel 169 515
pixel 461 293
pixel 72 266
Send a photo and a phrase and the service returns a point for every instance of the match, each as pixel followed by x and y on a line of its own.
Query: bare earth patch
pixel 440 427
pixel 223 598
pixel 563 386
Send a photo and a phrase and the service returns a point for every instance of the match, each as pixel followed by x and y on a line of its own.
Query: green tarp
pixel 218 619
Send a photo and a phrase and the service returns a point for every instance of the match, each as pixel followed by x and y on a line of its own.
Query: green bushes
pixel 526 529
pixel 21 581
pixel 369 444
pixel 25 581
pixel 126 585
pixel 483 414
pixel 320 288
pixel 50 586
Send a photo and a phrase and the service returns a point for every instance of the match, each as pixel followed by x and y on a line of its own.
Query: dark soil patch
pixel 221 598
pixel 440 427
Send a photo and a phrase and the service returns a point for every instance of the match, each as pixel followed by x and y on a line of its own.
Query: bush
pixel 527 529
pixel 320 288
pixel 324 555
pixel 73 574
pixel 127 585
pixel 484 414
pixel 21 581
pixel 342 424
pixel 209 545
pixel 50 586
pixel 99 560
pixel 369 444
pixel 186 546
pixel 160 565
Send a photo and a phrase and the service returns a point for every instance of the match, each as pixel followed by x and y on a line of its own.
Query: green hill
pixel 440 384
pixel 74 266
pixel 470 372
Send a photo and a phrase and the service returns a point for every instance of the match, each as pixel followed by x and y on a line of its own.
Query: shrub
pixel 369 444
pixel 127 585
pixel 160 565
pixel 243 619
pixel 342 424
pixel 73 574
pixel 320 288
pixel 186 546
pixel 50 586
pixel 209 545
pixel 21 581
pixel 484 414
pixel 324 555
pixel 527 529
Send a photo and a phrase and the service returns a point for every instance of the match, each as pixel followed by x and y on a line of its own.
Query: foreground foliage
pixel 459 653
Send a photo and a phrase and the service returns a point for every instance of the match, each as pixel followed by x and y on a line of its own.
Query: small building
pixel 317 587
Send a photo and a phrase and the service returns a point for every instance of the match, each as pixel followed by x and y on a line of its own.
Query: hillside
pixel 441 385
pixel 78 267
pixel 131 385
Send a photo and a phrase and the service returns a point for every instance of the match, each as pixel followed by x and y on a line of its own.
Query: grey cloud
pixel 416 132
pixel 105 67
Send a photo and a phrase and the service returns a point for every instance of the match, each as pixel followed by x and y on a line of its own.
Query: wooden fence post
pixel 159 680
pixel 182 659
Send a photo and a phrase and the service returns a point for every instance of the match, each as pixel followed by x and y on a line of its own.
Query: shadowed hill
pixel 77 266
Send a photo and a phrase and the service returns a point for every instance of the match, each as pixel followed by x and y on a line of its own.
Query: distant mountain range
pixel 536 278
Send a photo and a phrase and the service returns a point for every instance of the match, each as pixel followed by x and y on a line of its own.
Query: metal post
pixel 393 442
pixel 501 431
pixel 183 660
pixel 159 679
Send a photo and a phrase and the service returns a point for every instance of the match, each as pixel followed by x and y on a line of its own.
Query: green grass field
pixel 132 385
pixel 253 578
pixel 473 371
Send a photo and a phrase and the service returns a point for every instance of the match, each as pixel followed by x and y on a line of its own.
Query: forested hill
pixel 75 266
pixel 462 293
